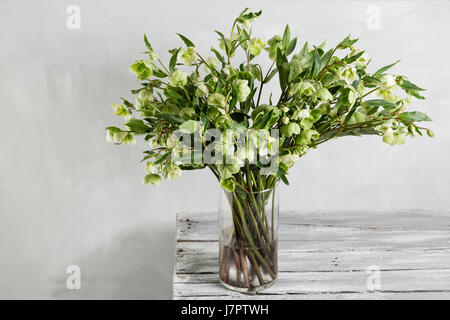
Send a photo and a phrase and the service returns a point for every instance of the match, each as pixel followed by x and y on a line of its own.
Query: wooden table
pixel 329 255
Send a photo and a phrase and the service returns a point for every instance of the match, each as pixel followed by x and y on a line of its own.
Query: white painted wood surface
pixel 328 255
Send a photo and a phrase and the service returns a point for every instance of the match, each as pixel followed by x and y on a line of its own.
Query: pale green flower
pixel 290 129
pixel 362 61
pixel 273 44
pixel 289 159
pixel 178 79
pixel 154 179
pixel 201 90
pixel 229 168
pixel 348 97
pixel 187 56
pixel 115 135
pixel 324 95
pixel 174 171
pixel 388 136
pixel 217 99
pixel 348 74
pixel 256 45
pixel 284 109
pixel 129 138
pixel 227 184
pixel 388 95
pixel 387 82
pixel 144 99
pixel 142 69
pixel 191 126
pixel 300 114
pixel 304 88
pixel 306 136
pixel 242 90
pixel 285 120
pixel 121 111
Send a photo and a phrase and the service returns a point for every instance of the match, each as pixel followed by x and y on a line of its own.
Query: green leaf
pixel 378 103
pixel 161 158
pixel 326 57
pixel 317 66
pixel 291 47
pixel 414 116
pixel 405 84
pixel 380 71
pixel 271 74
pixel 262 122
pixel 186 41
pixel 218 55
pixel 415 94
pixel 172 118
pixel 147 43
pixel 173 61
pixel 347 42
pixel 353 58
pixel 359 132
pixel 283 68
pixel 225 42
pixel 137 125
pixel 284 179
pixel 286 37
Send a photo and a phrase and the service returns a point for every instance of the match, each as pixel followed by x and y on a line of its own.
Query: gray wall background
pixel 67 197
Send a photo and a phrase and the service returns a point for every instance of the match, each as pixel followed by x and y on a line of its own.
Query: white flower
pixel 348 74
pixel 115 136
pixel 387 82
pixel 187 56
pixel 178 79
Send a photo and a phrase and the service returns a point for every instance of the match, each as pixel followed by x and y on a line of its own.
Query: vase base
pixel 250 291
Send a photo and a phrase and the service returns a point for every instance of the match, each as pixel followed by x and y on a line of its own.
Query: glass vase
pixel 248 223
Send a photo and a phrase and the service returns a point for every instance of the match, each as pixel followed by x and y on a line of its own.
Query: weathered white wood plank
pixel 324 282
pixel 324 255
pixel 330 296
pixel 310 237
pixel 203 258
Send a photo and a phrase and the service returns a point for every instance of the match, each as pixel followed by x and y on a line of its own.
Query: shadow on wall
pixel 138 265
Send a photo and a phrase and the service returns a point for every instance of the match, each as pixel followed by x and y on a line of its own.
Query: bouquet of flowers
pixel 207 111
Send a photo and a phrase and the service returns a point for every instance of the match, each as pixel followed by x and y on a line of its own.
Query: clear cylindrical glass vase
pixel 248 238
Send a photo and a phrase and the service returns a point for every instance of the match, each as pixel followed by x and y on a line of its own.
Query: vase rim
pixel 255 192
